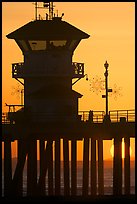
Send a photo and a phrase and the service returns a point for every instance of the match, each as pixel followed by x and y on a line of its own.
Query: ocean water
pixel 108 179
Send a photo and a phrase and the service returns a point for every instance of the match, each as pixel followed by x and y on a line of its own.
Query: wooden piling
pixel 57 166
pixel 100 168
pixel 93 167
pixel 50 168
pixel 19 157
pixel 66 167
pixel 85 167
pixel 73 167
pixel 32 168
pixel 117 166
pixel 7 167
pixel 17 181
pixel 127 166
pixel 41 182
pixel 46 164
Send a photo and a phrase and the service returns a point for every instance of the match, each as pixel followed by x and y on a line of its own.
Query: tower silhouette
pixel 48 70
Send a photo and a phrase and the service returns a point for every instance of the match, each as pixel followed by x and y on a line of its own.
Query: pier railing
pixel 5 119
pixel 98 116
pixel 115 115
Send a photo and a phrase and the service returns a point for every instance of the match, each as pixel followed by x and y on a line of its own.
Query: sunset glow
pixel 111 26
pixel 123 150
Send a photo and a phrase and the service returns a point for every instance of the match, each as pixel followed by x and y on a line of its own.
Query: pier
pixel 92 133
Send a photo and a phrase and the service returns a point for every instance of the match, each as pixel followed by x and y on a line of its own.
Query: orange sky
pixel 111 26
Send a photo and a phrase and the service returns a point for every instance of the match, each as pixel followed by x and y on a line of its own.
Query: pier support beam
pixel 57 166
pixel 85 166
pixel 100 168
pixel 73 167
pixel 50 168
pixel 46 163
pixel 93 167
pixel 127 166
pixel 17 181
pixel 20 147
pixel 66 167
pixel 117 166
pixel 7 167
pixel 41 182
pixel 32 168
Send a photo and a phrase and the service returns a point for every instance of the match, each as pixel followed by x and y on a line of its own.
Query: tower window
pixel 37 45
pixel 57 43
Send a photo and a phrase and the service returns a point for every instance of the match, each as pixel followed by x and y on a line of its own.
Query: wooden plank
pixel 66 167
pixel 57 166
pixel 117 166
pixel 73 167
pixel 85 166
pixel 93 167
pixel 100 168
pixel 127 166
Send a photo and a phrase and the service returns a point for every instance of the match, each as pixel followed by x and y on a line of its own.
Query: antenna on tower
pixel 36 7
pixel 51 8
pixel 48 5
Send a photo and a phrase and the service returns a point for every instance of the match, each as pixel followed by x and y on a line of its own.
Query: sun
pixel 123 150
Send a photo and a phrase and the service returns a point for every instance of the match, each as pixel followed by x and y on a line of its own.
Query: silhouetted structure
pixel 50 114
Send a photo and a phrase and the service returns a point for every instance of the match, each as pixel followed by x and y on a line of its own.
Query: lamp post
pixel 106 85
pixel 106 65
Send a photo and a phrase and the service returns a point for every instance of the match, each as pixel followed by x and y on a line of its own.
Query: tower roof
pixel 47 29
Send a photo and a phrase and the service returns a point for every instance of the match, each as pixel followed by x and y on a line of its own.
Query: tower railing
pixel 78 69
pixel 18 70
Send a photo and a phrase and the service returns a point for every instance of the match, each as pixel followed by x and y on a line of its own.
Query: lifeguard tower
pixel 48 47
